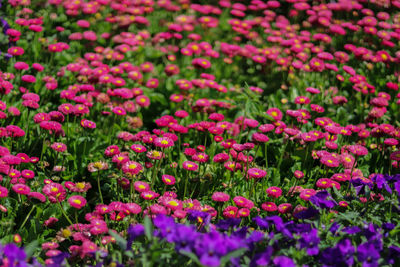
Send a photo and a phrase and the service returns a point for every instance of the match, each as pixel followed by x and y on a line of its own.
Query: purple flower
pixel 15 255
pixel 262 258
pixel 166 227
pixel 397 187
pixel 323 200
pixel 334 228
pixel 134 231
pixel 283 261
pixel 380 181
pixel 368 254
pixel 310 241
pixel 394 255
pixel 340 255
pixel 228 223
pixel 185 238
pixel 351 230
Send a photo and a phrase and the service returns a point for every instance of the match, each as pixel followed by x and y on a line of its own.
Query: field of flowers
pixel 199 133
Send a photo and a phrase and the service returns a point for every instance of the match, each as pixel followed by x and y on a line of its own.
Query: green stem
pixel 27 217
pixel 99 188
pixel 65 215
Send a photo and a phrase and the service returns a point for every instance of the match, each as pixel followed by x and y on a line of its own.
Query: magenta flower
pixel 77 201
pixel 190 165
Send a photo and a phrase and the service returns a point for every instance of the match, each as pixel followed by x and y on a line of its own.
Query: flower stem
pixel 99 188
pixel 65 215
pixel 27 217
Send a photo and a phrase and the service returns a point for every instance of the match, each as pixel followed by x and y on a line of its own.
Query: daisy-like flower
pixel 256 173
pixel 163 142
pixel 88 124
pixel 220 197
pixel 285 208
pixel 274 191
pixel 168 179
pixel 77 202
pixel 395 155
pixel 55 192
pixel 59 147
pixel 190 165
pixel 138 148
pixel 269 206
pixel 132 167
pixel 21 189
pixel 243 212
pixel 149 195
pixel 200 157
pixel 97 166
pixel 298 174
pixel 330 161
pixel 358 150
pixel 230 212
pixel 154 154
pixel 141 186
pixel 243 202
pixel 3 192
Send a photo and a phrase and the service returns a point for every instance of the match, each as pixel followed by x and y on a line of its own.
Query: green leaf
pixel 237 253
pixel 191 256
pixel 30 248
pixel 122 243
pixel 148 227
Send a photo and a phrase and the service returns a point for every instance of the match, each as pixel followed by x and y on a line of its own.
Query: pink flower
pixel 149 195
pixel 298 174
pixel 269 206
pixel 284 208
pixel 59 147
pixel 88 124
pixel 55 192
pixel 220 197
pixel 141 186
pixel 142 101
pixel 274 192
pixel 163 142
pixel 190 165
pixel 256 173
pixel 358 150
pixel 243 202
pixel 230 212
pixel 168 179
pixel 21 189
pixel 3 192
pixel 243 212
pixel 132 167
pixel 77 201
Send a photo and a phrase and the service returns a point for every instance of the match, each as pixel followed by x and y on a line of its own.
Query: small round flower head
pixel 59 147
pixel 77 201
pixel 168 179
pixel 132 167
pixel 190 165
pixel 256 173
pixel 141 186
pixel 220 197
pixel 230 212
pixel 358 150
pixel 298 174
pixel 274 192
pixel 285 208
pixel 21 189
pixel 269 206
pixel 149 195
pixel 243 202
pixel 163 142
pixel 138 148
